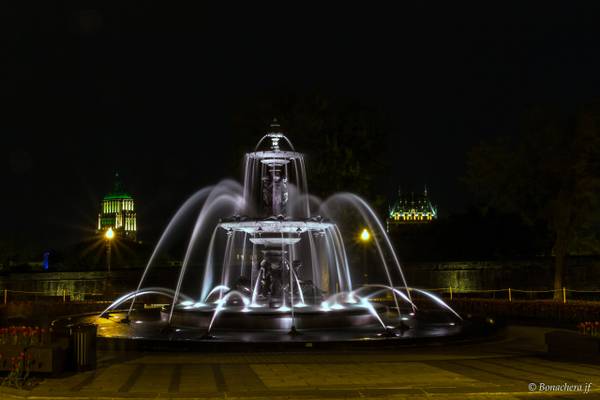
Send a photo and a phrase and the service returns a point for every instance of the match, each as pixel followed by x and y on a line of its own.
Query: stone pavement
pixel 501 369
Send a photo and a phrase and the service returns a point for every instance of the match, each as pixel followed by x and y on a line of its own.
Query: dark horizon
pixel 152 92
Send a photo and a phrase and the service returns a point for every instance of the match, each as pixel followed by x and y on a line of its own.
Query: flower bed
pixel 20 368
pixel 589 328
pixel 24 336
pixel 26 349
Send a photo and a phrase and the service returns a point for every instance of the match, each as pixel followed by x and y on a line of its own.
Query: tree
pixel 549 173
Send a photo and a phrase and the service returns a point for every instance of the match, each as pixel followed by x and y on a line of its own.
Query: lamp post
pixel 365 238
pixel 109 236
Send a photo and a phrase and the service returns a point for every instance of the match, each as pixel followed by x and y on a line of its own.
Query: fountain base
pixel 148 331
pixel 263 318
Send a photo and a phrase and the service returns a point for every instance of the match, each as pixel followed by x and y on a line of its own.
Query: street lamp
pixel 109 235
pixel 365 238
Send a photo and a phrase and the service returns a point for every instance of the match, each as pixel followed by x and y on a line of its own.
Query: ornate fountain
pixel 274 259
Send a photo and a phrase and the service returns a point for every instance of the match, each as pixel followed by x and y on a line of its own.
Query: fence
pixel 511 293
pixel 61 296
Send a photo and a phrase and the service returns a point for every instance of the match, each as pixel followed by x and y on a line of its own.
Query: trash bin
pixel 84 346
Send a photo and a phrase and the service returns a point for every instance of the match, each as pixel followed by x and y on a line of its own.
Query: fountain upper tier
pixel 270 172
pixel 273 154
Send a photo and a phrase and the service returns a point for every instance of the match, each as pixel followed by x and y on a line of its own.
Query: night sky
pixel 150 91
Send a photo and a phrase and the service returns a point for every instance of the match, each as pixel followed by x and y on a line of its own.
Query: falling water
pixel 184 210
pixel 274 211
pixel 222 302
pixel 210 204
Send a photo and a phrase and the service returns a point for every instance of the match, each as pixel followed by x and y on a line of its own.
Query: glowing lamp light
pixel 110 234
pixel 365 236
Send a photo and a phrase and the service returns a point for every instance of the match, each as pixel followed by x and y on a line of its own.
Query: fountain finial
pixel 275 126
pixel 275 134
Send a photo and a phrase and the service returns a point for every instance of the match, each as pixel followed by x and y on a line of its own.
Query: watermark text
pixel 560 387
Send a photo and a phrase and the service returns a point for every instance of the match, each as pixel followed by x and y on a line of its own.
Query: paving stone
pixel 111 379
pixel 499 370
pixel 154 378
pixel 197 378
pixel 322 375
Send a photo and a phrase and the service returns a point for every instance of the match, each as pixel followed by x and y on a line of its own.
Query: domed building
pixel 118 212
pixel 411 209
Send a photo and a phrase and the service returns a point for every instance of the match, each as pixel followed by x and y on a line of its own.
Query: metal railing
pixel 508 294
pixel 62 294
pixel 511 294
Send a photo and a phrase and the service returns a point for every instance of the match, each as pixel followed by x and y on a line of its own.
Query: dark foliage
pixel 550 174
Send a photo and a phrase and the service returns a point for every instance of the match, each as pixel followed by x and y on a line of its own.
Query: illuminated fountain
pixel 274 260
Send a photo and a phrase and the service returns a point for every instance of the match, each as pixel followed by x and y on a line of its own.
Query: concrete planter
pixel 565 344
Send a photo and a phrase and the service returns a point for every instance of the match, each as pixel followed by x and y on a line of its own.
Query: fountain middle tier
pixel 275 230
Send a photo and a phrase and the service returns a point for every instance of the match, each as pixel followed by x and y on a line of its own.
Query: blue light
pixel 46 263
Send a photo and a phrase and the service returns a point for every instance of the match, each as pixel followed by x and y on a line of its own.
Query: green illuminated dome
pixel 115 196
pixel 118 212
pixel 118 192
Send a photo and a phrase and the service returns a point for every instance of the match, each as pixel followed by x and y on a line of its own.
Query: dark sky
pixel 148 90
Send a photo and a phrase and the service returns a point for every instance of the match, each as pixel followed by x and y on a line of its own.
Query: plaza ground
pixel 501 368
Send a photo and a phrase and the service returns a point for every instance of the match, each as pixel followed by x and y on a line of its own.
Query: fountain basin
pixel 308 317
pixel 147 331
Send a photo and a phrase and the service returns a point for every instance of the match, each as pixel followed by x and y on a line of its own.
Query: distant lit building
pixel 412 209
pixel 118 212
